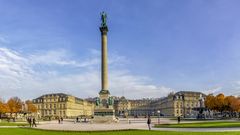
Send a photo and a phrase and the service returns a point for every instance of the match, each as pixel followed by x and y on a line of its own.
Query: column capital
pixel 103 30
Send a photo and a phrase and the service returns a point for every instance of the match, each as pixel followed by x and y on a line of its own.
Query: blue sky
pixel 155 47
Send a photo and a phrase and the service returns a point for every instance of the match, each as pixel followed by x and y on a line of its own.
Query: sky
pixel 155 47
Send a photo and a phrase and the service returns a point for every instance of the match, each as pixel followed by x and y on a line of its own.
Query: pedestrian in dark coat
pixel 62 120
pixel 34 122
pixel 30 122
pixel 59 121
pixel 179 119
pixel 149 122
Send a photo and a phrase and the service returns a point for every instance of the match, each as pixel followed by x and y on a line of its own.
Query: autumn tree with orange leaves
pixel 14 105
pixel 31 108
pixel 3 108
pixel 222 103
pixel 210 102
pixel 219 101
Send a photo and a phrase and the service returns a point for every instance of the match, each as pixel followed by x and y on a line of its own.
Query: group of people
pixel 80 120
pixel 32 122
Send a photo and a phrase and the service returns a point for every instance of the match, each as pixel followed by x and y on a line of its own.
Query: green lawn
pixel 201 125
pixel 12 124
pixel 24 131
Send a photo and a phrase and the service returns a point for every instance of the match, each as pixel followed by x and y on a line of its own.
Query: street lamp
pixel 38 113
pixel 158 111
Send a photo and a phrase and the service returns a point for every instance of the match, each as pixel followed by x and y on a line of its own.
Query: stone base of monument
pixel 104 115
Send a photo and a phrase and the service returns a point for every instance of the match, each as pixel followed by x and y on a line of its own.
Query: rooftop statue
pixel 104 19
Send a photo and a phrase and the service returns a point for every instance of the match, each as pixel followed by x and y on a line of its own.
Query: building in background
pixel 62 105
pixel 135 108
pixel 181 104
pixel 121 106
pixel 142 107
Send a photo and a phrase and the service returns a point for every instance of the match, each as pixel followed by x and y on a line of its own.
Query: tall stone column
pixel 104 111
pixel 104 67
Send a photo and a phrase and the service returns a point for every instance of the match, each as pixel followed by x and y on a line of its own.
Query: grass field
pixel 12 124
pixel 24 131
pixel 201 125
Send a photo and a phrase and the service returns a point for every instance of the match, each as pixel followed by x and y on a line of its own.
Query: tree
pixel 219 101
pixel 15 105
pixel 227 103
pixel 31 107
pixel 210 102
pixel 3 108
pixel 235 105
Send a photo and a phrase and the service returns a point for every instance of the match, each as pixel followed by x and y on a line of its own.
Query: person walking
pixel 179 119
pixel 34 122
pixel 77 119
pixel 61 120
pixel 30 122
pixel 149 122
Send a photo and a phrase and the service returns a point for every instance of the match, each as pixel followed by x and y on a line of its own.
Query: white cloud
pixel 213 90
pixel 20 77
pixel 58 57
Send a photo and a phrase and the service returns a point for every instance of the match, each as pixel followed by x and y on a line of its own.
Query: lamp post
pixel 38 116
pixel 158 111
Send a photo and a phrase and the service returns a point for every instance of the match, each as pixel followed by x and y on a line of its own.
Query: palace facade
pixel 62 105
pixel 182 103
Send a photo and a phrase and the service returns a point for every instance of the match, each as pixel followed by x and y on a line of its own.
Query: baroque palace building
pixel 183 103
pixel 135 108
pixel 62 105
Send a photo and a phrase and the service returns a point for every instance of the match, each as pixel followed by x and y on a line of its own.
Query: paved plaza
pixel 124 124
